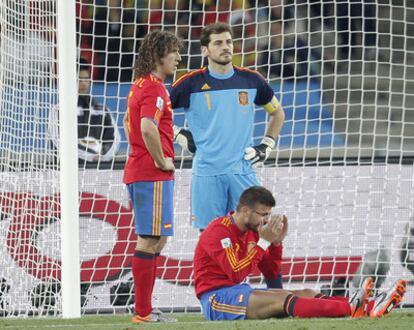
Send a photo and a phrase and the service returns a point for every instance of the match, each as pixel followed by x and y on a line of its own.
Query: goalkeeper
pixel 235 244
pixel 218 103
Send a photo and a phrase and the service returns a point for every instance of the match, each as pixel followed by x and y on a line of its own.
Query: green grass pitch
pixel 401 319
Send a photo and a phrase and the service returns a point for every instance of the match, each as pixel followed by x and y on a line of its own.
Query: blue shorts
pixel 215 196
pixel 229 303
pixel 153 207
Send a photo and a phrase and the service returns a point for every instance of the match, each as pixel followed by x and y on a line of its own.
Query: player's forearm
pixel 151 137
pixel 126 126
pixel 275 124
pixel 270 265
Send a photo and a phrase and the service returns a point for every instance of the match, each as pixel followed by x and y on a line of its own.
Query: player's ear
pixel 204 51
pixel 245 210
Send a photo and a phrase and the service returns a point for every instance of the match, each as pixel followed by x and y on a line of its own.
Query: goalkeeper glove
pixel 184 138
pixel 259 153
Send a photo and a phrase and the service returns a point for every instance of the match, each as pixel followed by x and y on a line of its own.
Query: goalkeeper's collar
pixel 217 75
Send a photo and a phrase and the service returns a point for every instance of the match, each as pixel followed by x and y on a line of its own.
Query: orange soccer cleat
pixel 359 299
pixel 386 301
pixel 155 317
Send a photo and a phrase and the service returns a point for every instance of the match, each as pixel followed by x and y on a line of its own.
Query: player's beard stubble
pixel 222 62
pixel 250 225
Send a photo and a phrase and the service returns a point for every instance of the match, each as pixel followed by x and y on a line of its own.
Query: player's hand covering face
pixel 258 217
pixel 275 229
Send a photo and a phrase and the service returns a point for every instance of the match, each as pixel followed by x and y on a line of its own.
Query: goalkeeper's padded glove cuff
pixel 269 141
pixel 176 132
pixel 184 138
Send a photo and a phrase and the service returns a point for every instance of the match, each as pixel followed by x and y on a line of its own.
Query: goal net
pixel 341 171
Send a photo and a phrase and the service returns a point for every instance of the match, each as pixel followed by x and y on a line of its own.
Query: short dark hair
pixel 256 195
pixel 153 48
pixel 215 28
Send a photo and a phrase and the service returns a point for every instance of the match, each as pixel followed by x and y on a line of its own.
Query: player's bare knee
pixel 161 243
pixel 148 244
pixel 307 293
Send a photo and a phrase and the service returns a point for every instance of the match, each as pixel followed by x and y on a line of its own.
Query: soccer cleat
pixel 155 317
pixel 163 317
pixel 359 299
pixel 386 301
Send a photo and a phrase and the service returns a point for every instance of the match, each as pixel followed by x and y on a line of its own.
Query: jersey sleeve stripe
pixel 246 262
pixel 248 70
pixel 226 222
pixel 231 258
pixel 188 75
pixel 238 265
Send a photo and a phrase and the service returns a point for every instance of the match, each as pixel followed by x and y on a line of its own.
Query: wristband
pixel 263 243
pixel 176 131
pixel 269 141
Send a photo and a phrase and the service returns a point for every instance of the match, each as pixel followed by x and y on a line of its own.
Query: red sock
pixel 144 276
pixel 155 270
pixel 315 307
pixel 370 305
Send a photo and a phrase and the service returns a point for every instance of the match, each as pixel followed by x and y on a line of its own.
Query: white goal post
pixel 342 169
pixel 69 188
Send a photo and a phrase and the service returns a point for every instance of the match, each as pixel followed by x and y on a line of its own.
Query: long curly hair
pixel 153 48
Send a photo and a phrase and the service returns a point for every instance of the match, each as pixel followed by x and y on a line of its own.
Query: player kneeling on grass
pixel 230 248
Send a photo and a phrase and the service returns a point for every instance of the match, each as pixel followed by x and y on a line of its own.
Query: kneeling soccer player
pixel 231 246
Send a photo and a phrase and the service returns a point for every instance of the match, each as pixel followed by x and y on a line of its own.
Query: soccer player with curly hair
pixel 149 170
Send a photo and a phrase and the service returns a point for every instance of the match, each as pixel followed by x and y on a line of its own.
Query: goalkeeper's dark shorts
pixel 153 207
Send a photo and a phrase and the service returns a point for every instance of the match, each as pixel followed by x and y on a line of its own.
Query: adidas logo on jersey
pixel 205 86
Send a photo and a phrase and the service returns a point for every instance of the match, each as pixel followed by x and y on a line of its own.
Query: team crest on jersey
pixel 160 103
pixel 226 242
pixel 243 98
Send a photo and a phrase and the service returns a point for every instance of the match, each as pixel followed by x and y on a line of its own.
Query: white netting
pixel 29 185
pixel 341 171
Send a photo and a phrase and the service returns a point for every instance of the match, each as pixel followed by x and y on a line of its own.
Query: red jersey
pixel 148 98
pixel 221 257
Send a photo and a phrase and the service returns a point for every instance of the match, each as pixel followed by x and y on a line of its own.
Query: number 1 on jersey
pixel 208 101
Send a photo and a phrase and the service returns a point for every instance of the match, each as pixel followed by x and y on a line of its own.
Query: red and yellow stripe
pixel 226 221
pixel 226 308
pixel 139 82
pixel 188 75
pixel 157 116
pixel 238 265
pixel 157 209
pixel 248 70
